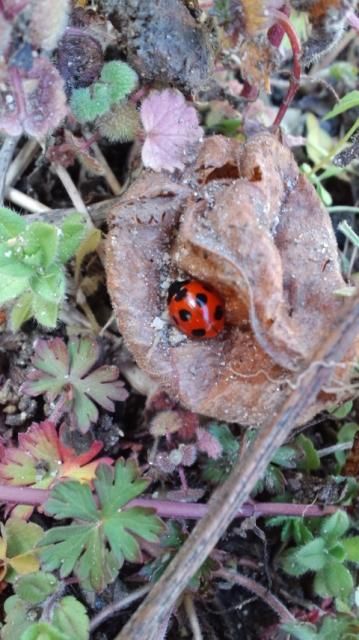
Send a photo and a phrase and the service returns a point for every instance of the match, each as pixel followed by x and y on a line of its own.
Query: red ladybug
pixel 196 308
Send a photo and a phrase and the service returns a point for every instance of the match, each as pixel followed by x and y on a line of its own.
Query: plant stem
pixel 186 510
pixel 192 616
pixel 58 409
pixel 283 21
pixel 6 154
pixel 112 609
pixel 259 590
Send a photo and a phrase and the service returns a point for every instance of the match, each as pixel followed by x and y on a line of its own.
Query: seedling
pixel 32 259
pixel 67 372
pixel 102 534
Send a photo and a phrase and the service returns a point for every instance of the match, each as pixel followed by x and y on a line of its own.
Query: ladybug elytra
pixel 196 308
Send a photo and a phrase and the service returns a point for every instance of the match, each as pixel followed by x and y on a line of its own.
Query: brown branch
pixel 230 496
pixel 259 590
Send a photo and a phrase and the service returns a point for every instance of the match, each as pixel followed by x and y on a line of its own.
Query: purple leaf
pixel 172 130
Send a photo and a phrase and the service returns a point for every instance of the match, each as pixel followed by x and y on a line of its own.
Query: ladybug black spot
pixel 201 299
pixel 184 315
pixel 175 289
pixel 218 314
pixel 198 333
pixel 181 294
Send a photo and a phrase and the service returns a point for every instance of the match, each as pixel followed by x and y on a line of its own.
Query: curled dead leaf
pixel 246 221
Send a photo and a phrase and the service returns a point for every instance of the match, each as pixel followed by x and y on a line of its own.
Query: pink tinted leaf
pixel 104 386
pixel 208 443
pixel 31 102
pixel 171 128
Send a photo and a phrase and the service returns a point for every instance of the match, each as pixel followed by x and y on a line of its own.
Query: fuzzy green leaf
pixel 44 311
pixel 71 618
pixel 311 461
pixel 21 311
pixel 290 564
pixel 337 580
pixel 41 240
pixel 11 288
pixel 44 631
pixel 100 539
pixel 349 101
pixel 36 587
pixel 73 231
pixel 17 618
pixel 120 78
pixel 312 555
pixel 351 546
pixel 50 285
pixel 90 102
pixel 11 224
pixel 335 526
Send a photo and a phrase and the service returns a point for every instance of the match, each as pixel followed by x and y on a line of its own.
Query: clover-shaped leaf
pixel 100 537
pixel 69 369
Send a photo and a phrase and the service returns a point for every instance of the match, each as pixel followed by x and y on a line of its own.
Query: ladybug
pixel 196 308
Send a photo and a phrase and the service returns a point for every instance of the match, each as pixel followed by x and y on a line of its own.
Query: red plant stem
pixel 249 91
pixel 173 509
pixel 276 32
pixel 283 22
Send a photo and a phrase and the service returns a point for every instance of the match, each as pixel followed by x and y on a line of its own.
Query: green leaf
pixel 300 630
pixel 343 410
pixel 44 631
pixel 337 552
pixel 293 528
pixel 351 546
pixel 21 311
pixel 97 542
pixel 313 555
pixel 285 457
pixel 274 481
pixel 71 618
pixel 22 538
pixel 338 580
pixel 17 618
pixel 319 142
pixel 41 239
pixel 11 224
pixel 290 563
pixel 311 460
pixel 90 102
pixel 73 231
pixel 36 587
pixel 349 101
pixel 335 526
pixel 72 500
pixel 345 434
pixel 50 285
pixel 44 311
pixel 11 288
pixel 120 78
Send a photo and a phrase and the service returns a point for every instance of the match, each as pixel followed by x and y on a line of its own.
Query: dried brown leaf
pixel 245 220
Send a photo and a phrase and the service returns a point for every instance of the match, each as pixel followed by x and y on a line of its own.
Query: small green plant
pixel 299 455
pixel 103 533
pixel 67 372
pixel 17 548
pixel 340 627
pixel 171 541
pixel 326 554
pixel 324 151
pixel 117 81
pixel 30 616
pixel 32 258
